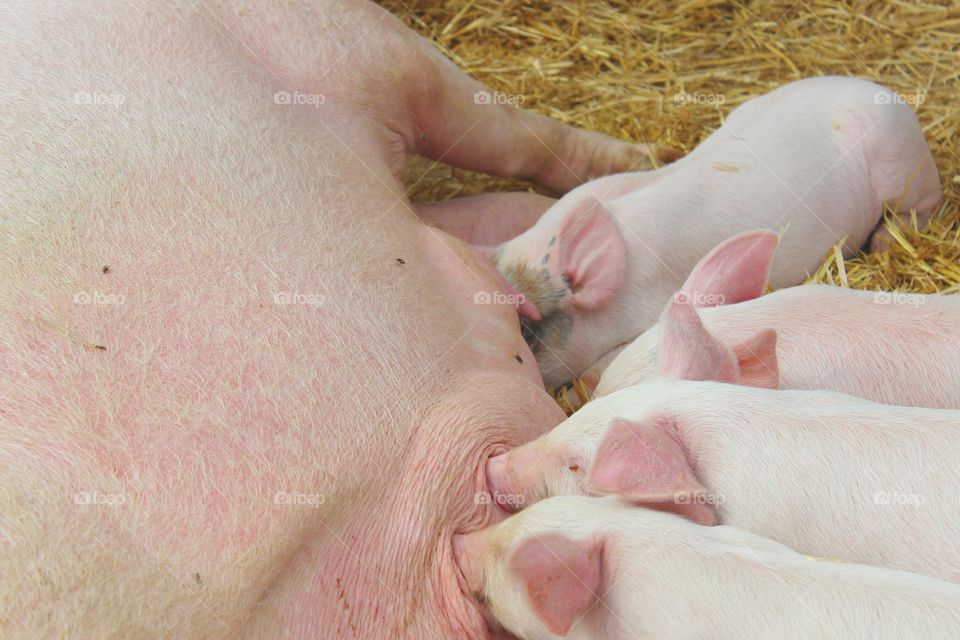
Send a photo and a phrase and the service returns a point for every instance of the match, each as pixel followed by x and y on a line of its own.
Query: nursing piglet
pixel 591 568
pixel 895 348
pixel 817 158
pixel 826 473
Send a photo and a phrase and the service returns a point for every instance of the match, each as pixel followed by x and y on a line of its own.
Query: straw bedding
pixel 668 72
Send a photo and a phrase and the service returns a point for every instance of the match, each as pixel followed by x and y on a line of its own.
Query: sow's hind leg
pixel 453 118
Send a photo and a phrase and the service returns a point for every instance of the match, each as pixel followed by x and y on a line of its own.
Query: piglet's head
pixel 571 263
pixel 646 461
pixel 553 464
pixel 534 584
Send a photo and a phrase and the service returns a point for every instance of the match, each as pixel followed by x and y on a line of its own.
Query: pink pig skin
pixel 230 178
pixel 815 159
pixel 829 474
pixel 888 347
pixel 588 568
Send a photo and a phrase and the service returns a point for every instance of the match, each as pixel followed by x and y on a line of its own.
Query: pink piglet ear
pixel 688 351
pixel 642 462
pixel 757 360
pixel 561 576
pixel 593 255
pixel 735 270
pixel 647 464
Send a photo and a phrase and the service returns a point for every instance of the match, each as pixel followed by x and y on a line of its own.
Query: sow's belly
pixel 193 374
pixel 220 331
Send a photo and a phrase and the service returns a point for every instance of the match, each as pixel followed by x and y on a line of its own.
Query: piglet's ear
pixel 757 360
pixel 561 576
pixel 643 462
pixel 647 464
pixel 688 351
pixel 592 254
pixel 735 270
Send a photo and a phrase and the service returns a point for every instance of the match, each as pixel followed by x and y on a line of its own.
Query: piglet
pixel 895 348
pixel 826 473
pixel 817 158
pixel 591 568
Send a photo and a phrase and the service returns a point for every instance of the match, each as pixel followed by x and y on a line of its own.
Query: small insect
pixel 196 577
pixel 401 261
pixel 519 359
pixel 106 268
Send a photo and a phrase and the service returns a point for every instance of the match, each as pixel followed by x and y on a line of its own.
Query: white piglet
pixel 817 158
pixel 826 473
pixel 895 348
pixel 598 568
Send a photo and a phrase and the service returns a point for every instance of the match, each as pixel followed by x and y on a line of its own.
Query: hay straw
pixel 617 67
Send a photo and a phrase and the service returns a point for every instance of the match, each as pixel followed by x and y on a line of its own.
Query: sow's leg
pixel 454 121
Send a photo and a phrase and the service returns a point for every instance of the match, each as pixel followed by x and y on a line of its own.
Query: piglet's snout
pixel 501 489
